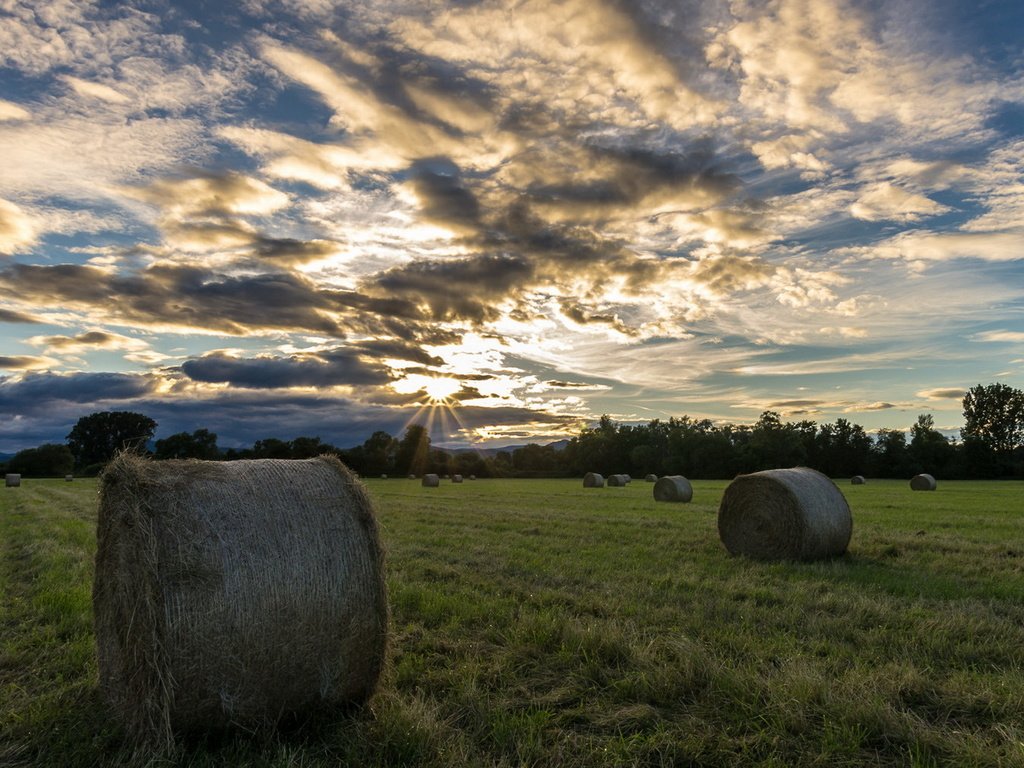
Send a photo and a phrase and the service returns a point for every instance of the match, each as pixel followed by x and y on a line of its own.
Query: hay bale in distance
pixel 923 482
pixel 651 478
pixel 472 477
pixel 618 481
pixel 12 480
pixel 784 514
pixel 431 481
pixel 384 477
pixel 235 592
pixel 412 476
pixel 593 480
pixel 673 488
pixel 857 480
pixel 456 478
pixel 69 478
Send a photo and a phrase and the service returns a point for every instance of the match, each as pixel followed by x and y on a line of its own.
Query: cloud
pixel 25 362
pixel 17 230
pixel 1012 337
pixel 34 393
pixel 946 246
pixel 10 316
pixel 885 201
pixel 952 393
pixel 212 194
pixel 328 368
pixel 87 341
pixel 95 90
pixel 11 111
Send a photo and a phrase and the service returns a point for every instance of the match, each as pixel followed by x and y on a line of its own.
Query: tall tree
pixel 49 460
pixel 994 417
pixel 97 437
pixel 413 451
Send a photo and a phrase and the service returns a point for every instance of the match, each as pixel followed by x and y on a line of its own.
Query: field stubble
pixel 535 622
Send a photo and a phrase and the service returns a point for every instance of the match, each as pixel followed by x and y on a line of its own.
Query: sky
pixel 506 217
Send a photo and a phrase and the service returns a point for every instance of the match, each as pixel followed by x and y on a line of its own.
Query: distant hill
pixel 558 445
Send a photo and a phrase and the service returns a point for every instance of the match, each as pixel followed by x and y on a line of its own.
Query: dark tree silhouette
pixel 97 437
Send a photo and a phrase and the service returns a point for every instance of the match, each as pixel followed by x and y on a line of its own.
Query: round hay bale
pixel 857 480
pixel 784 514
pixel 593 480
pixel 12 480
pixel 383 477
pixel 431 481
pixel 923 482
pixel 673 488
pixel 412 476
pixel 456 478
pixel 472 477
pixel 618 481
pixel 235 592
pixel 69 478
pixel 651 478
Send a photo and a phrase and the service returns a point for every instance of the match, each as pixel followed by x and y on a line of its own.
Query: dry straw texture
pixel 431 481
pixel 651 478
pixel 593 480
pixel 784 514
pixel 673 488
pixel 12 480
pixel 617 481
pixel 857 480
pixel 923 482
pixel 235 593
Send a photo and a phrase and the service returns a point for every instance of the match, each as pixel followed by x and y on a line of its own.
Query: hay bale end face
pixel 857 480
pixel 12 480
pixel 235 593
pixel 69 478
pixel 785 514
pixel 593 480
pixel 652 478
pixel 431 481
pixel 923 482
pixel 673 488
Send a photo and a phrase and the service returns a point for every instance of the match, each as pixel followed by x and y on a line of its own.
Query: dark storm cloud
pixel 37 392
pixel 444 199
pixel 628 175
pixel 10 316
pixel 20 362
pixel 460 289
pixel 185 296
pixel 327 369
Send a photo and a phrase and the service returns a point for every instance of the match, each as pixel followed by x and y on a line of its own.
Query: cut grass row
pixel 539 623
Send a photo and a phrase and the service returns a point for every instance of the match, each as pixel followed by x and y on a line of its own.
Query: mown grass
pixel 539 623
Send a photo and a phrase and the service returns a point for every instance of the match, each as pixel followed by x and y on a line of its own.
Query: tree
pixel 49 460
pixel 413 451
pixel 201 444
pixel 97 437
pixel 271 448
pixel 379 453
pixel 993 422
pixel 929 448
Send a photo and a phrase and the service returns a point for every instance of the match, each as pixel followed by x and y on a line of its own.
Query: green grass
pixel 538 623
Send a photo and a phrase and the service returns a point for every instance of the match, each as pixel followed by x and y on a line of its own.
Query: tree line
pixel 991 445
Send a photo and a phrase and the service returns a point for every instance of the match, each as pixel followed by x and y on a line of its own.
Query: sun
pixel 440 389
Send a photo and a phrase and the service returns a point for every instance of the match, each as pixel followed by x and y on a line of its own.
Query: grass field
pixel 538 623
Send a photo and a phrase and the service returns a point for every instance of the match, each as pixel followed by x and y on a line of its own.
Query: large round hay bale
pixel 456 478
pixel 12 480
pixel 923 482
pixel 673 488
pixel 69 478
pixel 593 480
pixel 652 478
pixel 412 476
pixel 618 481
pixel 235 593
pixel 857 480
pixel 431 481
pixel 784 514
